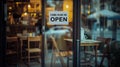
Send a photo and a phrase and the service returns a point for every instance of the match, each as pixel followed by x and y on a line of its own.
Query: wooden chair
pixel 104 49
pixel 56 53
pixel 33 47
pixel 12 50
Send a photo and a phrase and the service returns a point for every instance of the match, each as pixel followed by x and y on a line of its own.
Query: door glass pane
pixel 23 26
pixel 118 30
pixel 100 21
pixel 58 50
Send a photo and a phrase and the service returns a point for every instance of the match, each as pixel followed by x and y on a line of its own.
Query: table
pixel 88 43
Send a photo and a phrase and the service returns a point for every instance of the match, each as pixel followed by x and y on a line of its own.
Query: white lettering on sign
pixel 58 17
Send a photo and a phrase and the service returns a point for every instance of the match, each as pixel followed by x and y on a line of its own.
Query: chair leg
pixel 52 61
pixel 67 61
pixel 62 61
pixel 28 59
pixel 38 59
pixel 109 61
pixel 102 61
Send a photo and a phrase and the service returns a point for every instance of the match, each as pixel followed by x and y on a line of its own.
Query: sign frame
pixel 58 18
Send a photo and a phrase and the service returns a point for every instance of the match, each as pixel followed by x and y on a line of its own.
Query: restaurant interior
pixel 33 41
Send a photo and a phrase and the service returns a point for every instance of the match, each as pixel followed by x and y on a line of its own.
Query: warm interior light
pixel 81 6
pixel 25 13
pixel 67 6
pixel 10 7
pixel 34 14
pixel 29 6
pixel 88 11
pixel 9 13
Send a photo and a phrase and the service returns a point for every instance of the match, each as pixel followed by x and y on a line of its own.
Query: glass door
pixel 58 29
pixel 64 26
pixel 23 33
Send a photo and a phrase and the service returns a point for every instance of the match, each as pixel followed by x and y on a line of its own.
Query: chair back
pixel 102 39
pixel 54 44
pixel 36 40
pixel 105 44
pixel 58 51
pixel 108 41
pixel 12 39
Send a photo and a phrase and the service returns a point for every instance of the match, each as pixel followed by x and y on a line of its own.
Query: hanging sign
pixel 58 18
pixel 21 0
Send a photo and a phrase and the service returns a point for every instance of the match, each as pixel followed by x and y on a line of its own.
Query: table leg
pixel 21 50
pixel 85 54
pixel 95 48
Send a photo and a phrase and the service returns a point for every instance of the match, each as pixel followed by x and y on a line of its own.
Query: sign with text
pixel 58 18
pixel 21 0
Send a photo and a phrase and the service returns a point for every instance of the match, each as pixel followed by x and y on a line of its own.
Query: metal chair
pixel 104 49
pixel 56 53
